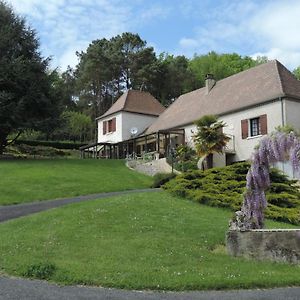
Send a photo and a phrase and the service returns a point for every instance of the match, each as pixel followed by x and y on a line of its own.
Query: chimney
pixel 209 82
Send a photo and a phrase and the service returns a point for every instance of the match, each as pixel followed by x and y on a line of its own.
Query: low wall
pixel 152 167
pixel 281 245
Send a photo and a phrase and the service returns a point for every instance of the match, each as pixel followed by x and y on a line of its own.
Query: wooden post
pixel 146 146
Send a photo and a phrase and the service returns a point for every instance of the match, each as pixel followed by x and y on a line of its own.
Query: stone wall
pixel 150 168
pixel 277 245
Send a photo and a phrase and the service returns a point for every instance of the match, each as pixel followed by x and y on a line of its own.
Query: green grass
pixel 30 180
pixel 137 241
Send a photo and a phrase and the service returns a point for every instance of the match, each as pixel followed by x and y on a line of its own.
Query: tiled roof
pixel 248 88
pixel 136 102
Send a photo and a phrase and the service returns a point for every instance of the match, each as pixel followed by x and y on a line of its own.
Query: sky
pixel 180 27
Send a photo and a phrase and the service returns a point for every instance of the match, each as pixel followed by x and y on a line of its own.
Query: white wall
pixel 110 137
pixel 124 122
pixel 244 147
pixel 292 113
pixel 130 120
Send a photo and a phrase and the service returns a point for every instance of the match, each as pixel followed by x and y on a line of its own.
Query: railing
pixel 230 146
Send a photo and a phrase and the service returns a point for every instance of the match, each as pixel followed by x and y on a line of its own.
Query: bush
pixel 162 178
pixel 53 144
pixel 40 271
pixel 41 151
pixel 224 187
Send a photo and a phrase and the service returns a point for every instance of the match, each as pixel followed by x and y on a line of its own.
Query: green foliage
pixel 76 126
pixel 185 159
pixel 296 72
pixel 160 179
pixel 40 271
pixel 26 98
pixel 173 78
pixel 108 67
pixel 209 137
pixel 223 187
pixel 54 144
pixel 220 65
pixel 42 151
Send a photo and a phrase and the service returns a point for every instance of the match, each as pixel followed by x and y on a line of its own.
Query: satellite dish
pixel 133 131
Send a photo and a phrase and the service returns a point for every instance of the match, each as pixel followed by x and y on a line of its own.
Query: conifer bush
pixel 224 187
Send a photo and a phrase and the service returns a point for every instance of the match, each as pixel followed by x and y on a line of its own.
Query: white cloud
pixel 67 26
pixel 277 29
pixel 188 43
pixel 249 27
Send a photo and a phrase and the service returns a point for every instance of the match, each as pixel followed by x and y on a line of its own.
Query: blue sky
pixel 247 27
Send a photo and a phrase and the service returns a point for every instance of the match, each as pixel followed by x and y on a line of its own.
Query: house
pixel 127 118
pixel 252 103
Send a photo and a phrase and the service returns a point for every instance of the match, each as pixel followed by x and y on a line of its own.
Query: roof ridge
pixel 277 63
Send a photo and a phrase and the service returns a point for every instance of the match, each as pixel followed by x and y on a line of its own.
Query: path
pixel 8 212
pixel 24 289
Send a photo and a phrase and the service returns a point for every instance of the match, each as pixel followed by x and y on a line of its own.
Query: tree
pixel 173 78
pixel 296 72
pixel 209 138
pixel 24 84
pixel 221 65
pixel 77 125
pixel 110 67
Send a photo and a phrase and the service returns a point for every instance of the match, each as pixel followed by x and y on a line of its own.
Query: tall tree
pixel 109 67
pixel 24 84
pixel 173 78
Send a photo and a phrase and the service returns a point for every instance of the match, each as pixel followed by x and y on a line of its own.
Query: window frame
pixel 254 127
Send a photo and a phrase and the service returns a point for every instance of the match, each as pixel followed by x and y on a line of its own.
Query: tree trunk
pixel 3 141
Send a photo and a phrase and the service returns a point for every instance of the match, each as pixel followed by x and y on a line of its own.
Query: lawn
pixel 137 241
pixel 30 180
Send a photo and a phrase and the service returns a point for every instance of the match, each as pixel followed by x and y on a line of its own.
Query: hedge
pixel 53 144
pixel 224 187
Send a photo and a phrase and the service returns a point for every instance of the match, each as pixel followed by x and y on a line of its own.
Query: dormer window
pixel 109 126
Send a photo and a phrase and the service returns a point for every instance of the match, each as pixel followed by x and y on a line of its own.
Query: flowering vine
pixel 279 147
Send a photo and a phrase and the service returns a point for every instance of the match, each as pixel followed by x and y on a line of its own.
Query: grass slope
pixel 29 180
pixel 135 241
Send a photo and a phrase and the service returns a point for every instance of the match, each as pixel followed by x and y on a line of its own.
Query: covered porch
pixel 148 147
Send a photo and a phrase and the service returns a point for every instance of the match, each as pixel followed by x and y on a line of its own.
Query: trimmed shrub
pixel 53 144
pixel 224 187
pixel 42 151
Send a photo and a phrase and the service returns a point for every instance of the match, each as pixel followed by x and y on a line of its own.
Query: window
pixel 254 127
pixel 109 126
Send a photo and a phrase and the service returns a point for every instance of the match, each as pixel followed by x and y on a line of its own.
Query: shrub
pixel 160 179
pixel 41 151
pixel 224 187
pixel 40 271
pixel 53 144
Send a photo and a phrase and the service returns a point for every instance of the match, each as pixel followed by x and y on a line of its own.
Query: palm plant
pixel 209 138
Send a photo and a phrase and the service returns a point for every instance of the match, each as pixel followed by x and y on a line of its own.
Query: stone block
pixel 282 245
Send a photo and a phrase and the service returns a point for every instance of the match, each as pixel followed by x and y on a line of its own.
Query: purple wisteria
pixel 279 147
